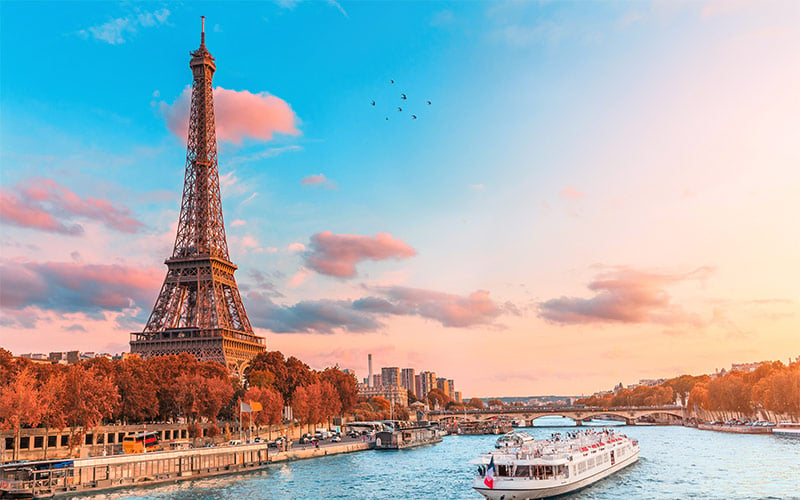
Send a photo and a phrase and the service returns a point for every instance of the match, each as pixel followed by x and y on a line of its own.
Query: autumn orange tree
pixel 88 397
pixel 20 405
pixel 271 406
pixel 437 398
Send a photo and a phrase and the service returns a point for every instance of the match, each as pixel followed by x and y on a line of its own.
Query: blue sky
pixel 618 173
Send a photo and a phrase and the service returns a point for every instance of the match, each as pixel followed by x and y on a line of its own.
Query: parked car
pixel 306 438
pixel 337 438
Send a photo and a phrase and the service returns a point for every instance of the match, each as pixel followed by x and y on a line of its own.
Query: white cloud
pixel 115 31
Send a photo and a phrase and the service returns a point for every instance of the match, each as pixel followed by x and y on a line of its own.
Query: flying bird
pixel 403 97
pixel 373 103
pixel 413 117
pixel 387 118
pixel 399 108
pixel 391 81
pixel 429 103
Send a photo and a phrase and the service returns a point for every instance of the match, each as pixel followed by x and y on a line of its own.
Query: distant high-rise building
pixel 390 376
pixel 451 384
pixel 418 386
pixel 427 383
pixel 407 379
pixel 369 377
pixel 457 399
pixel 376 380
pixel 443 385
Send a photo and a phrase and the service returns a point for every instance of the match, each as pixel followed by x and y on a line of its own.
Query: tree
pixel 698 397
pixel 271 403
pixel 330 403
pixel 381 404
pixel 475 403
pixel 306 405
pixel 88 397
pixel 137 390
pixel 53 406
pixel 261 378
pixel 298 374
pixel 437 398
pixel 274 363
pixel 730 393
pixel 495 402
pixel 345 384
pixel 164 371
pixel 20 404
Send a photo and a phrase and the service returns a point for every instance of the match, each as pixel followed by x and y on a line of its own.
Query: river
pixel 674 463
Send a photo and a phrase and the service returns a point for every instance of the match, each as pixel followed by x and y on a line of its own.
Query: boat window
pixel 522 471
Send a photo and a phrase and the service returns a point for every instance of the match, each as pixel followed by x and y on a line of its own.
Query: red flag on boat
pixel 489 479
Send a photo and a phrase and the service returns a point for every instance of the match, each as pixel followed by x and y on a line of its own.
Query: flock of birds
pixel 403 101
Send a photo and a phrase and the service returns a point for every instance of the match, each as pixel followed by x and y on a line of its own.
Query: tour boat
pixel 787 429
pixel 562 464
pixel 513 439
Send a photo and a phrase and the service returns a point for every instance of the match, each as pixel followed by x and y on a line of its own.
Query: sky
pixel 598 192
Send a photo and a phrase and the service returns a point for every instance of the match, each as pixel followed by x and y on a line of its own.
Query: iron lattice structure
pixel 199 309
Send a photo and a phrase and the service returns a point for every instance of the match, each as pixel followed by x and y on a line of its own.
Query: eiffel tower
pixel 199 309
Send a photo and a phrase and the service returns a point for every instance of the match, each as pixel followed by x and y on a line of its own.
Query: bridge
pixel 576 413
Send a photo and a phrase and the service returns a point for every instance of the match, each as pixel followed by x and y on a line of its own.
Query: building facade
pixel 396 395
pixel 390 376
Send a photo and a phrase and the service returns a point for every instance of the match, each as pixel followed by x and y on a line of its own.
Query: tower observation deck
pixel 199 309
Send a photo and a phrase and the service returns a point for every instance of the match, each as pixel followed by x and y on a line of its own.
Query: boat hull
pixel 787 432
pixel 521 490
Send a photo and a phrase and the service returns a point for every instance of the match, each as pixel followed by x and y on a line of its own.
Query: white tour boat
pixel 513 439
pixel 559 465
pixel 787 429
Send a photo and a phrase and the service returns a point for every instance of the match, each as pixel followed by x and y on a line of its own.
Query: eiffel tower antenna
pixel 199 309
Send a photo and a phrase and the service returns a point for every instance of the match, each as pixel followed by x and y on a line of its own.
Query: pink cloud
pixel 449 309
pixel 296 247
pixel 40 203
pixel 76 287
pixel 338 254
pixel 571 193
pixel 625 296
pixel 239 114
pixel 318 180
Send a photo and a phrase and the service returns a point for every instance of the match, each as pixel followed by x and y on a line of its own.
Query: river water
pixel 674 463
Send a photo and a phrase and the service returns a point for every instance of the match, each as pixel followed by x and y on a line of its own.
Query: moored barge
pixel 407 437
pixel 48 478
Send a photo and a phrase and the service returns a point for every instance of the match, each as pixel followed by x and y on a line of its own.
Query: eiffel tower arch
pixel 199 309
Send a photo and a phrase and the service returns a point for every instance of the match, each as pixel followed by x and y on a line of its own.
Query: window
pixel 38 442
pixel 89 439
pixel 24 443
pixel 64 440
pixel 52 441
pixel 10 443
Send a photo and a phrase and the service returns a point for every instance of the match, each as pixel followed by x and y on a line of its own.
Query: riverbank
pixel 61 477
pixel 311 451
pixel 735 429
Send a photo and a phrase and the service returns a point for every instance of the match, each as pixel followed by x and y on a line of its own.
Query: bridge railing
pixel 555 409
